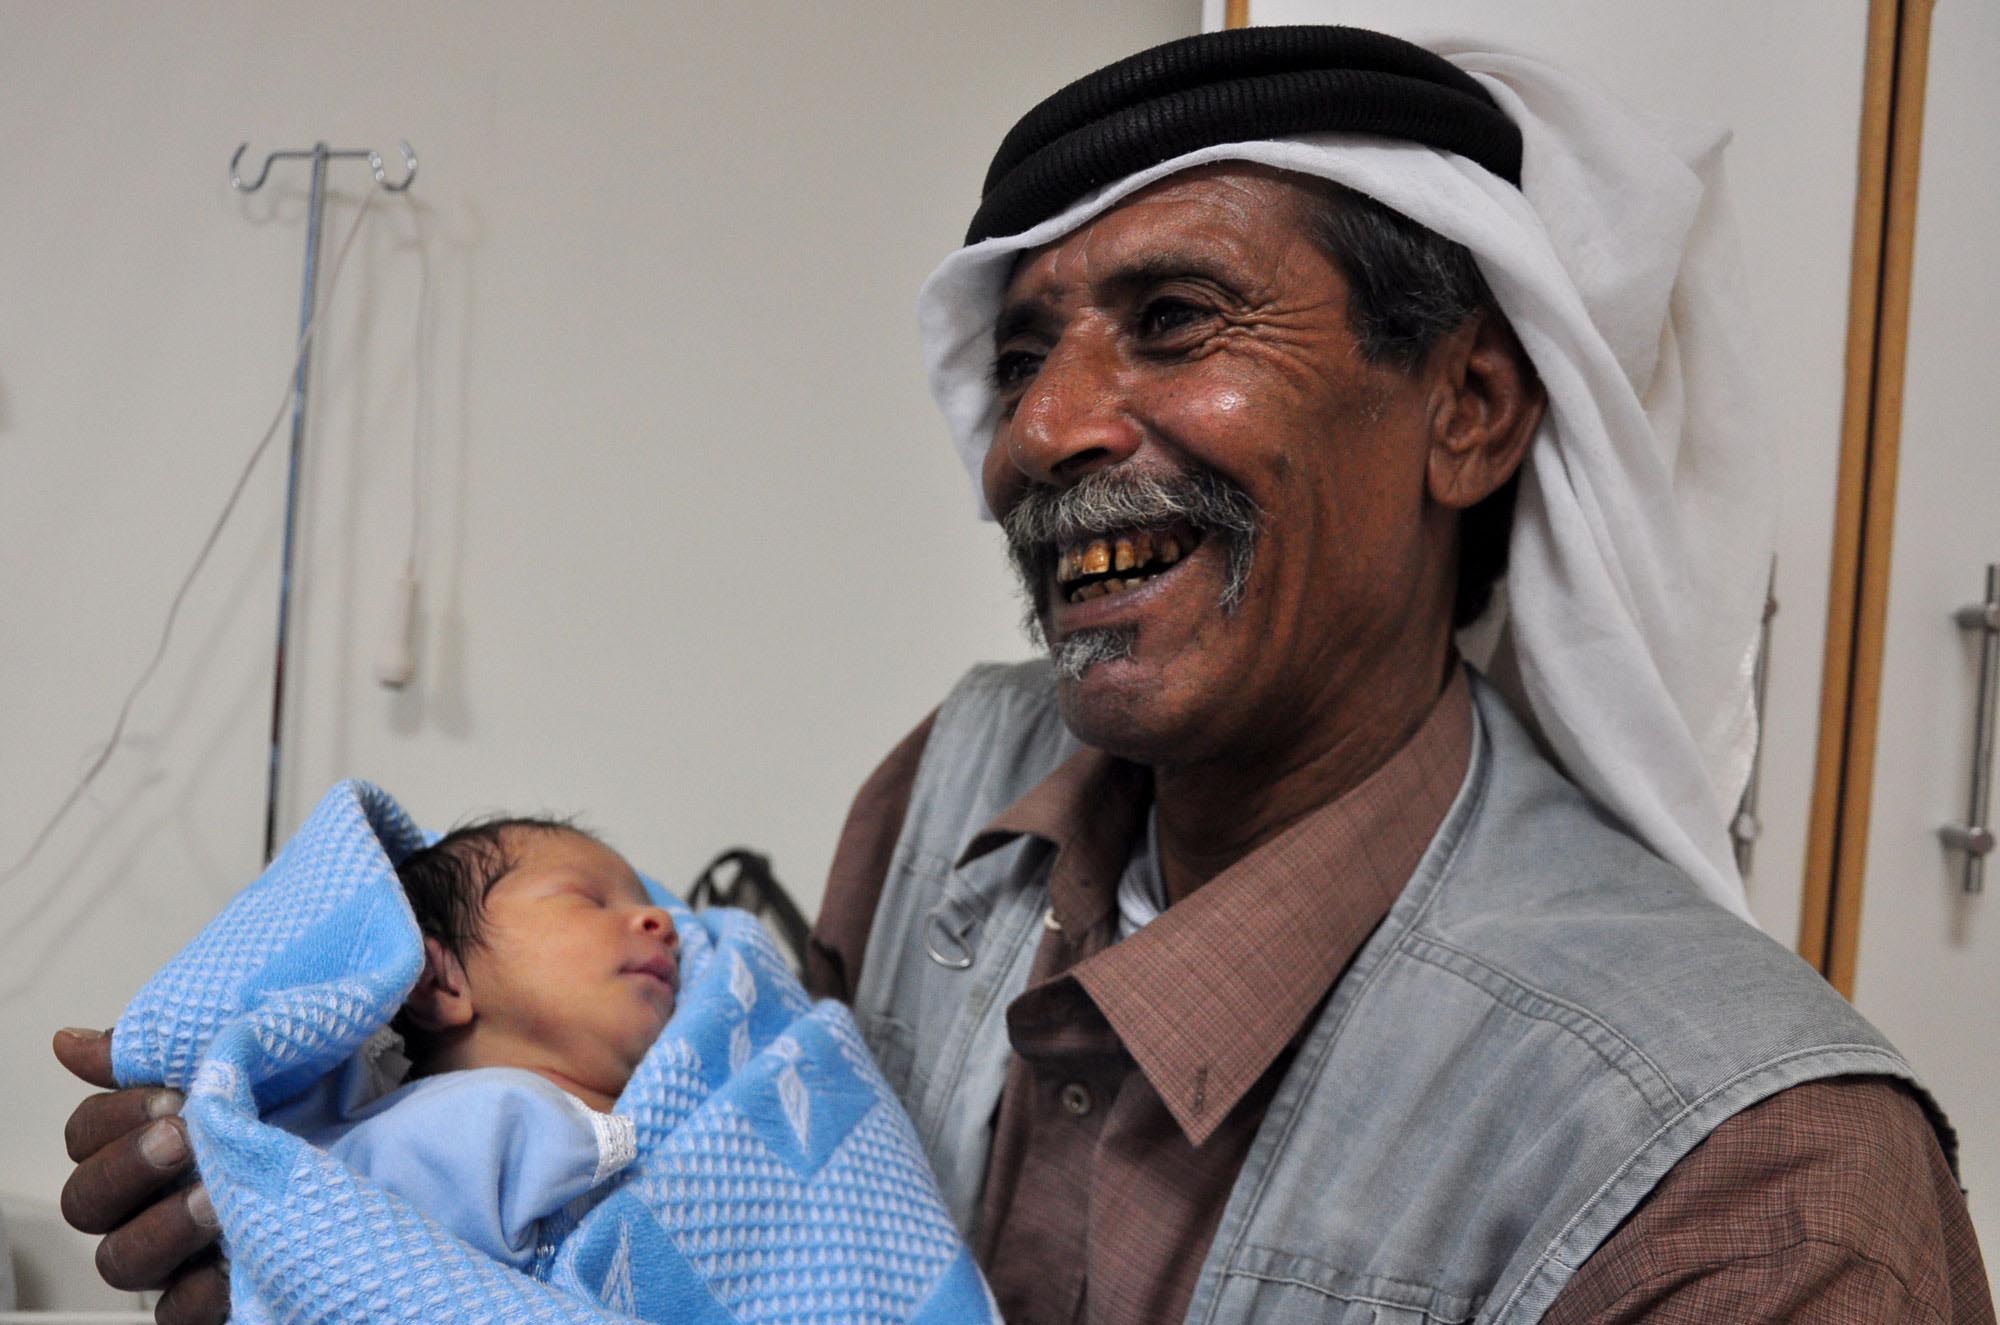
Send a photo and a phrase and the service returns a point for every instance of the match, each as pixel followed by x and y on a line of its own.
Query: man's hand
pixel 132 1159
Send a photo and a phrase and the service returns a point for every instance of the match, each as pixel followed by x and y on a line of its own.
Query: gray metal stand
pixel 319 154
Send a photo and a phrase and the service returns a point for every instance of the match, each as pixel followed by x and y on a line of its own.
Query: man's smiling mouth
pixel 1116 530
pixel 1113 563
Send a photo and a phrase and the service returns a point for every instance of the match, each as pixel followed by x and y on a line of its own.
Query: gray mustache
pixel 1114 499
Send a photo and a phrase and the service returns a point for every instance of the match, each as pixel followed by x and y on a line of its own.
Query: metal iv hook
pixel 409 168
pixel 320 150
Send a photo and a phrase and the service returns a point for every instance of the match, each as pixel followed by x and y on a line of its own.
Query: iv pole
pixel 319 154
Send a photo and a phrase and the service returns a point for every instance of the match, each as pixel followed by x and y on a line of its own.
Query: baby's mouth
pixel 661 968
pixel 1119 561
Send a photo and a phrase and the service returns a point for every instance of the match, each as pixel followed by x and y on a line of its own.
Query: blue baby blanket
pixel 777 1179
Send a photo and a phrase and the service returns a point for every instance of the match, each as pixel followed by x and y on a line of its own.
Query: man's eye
pixel 1163 317
pixel 1012 368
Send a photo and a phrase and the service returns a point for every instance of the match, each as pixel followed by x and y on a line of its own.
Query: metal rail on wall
pixel 321 156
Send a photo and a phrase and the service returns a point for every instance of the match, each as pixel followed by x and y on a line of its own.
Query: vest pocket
pixel 1388 1315
pixel 1281 1299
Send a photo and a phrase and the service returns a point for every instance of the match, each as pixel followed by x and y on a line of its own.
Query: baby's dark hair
pixel 447 881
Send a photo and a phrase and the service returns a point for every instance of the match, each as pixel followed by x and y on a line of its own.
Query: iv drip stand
pixel 319 155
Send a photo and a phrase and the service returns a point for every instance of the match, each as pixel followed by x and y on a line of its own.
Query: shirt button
pixel 1050 923
pixel 1076 1099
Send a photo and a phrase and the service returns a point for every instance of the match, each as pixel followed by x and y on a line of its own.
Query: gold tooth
pixel 1097 557
pixel 1124 559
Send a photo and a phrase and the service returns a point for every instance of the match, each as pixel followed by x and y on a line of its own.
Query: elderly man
pixel 1251 958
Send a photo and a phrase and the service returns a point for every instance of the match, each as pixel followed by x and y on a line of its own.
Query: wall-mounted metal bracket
pixel 1974 837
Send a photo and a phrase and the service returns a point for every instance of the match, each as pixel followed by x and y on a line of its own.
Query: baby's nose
pixel 654 920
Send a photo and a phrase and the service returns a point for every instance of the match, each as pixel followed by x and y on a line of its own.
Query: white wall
pixel 695 552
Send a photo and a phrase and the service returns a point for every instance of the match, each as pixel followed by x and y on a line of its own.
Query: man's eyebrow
pixel 1019 318
pixel 1158 268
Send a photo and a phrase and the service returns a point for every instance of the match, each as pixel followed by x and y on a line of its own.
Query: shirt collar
pixel 1206 997
pixel 1090 809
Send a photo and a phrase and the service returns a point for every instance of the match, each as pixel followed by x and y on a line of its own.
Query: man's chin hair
pixel 1082 650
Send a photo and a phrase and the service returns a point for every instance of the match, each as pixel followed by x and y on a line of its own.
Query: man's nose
pixel 1076 416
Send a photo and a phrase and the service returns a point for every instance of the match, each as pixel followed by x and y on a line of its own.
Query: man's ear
pixel 1487 403
pixel 442 1000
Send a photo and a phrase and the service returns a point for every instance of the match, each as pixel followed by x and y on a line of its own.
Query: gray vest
pixel 1549 1017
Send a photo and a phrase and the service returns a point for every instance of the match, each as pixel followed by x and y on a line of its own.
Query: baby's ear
pixel 442 1000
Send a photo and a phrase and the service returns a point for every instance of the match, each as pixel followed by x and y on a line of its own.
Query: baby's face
pixel 578 969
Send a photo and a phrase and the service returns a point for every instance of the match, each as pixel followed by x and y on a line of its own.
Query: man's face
pixel 1198 336
pixel 577 970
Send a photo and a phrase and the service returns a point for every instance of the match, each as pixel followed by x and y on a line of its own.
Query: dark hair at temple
pixel 447 881
pixel 1410 288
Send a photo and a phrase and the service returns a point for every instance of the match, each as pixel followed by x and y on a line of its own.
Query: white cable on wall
pixel 19 920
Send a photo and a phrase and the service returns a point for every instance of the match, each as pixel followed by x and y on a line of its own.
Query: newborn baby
pixel 758 1167
pixel 548 973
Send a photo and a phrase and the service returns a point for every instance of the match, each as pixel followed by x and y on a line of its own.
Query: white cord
pixel 396 664
pixel 17 922
pixel 420 388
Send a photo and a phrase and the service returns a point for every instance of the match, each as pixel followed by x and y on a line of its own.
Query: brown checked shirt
pixel 1143 1068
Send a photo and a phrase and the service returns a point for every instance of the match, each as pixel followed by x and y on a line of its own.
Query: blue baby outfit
pixel 775 1177
pixel 489 1153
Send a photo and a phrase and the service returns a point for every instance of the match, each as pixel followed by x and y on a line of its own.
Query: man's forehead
pixel 1222 209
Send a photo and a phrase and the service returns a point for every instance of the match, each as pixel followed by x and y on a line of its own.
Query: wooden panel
pixel 1885 229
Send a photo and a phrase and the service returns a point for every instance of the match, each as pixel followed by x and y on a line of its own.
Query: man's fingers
pixel 149 1248
pixel 124 1174
pixel 102 1119
pixel 87 1053
pixel 129 1148
pixel 199 1296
